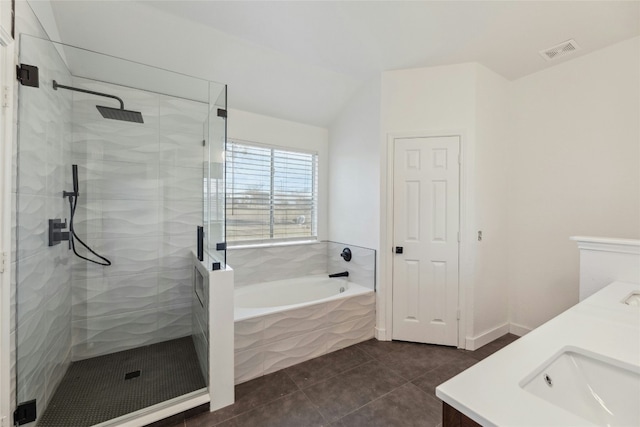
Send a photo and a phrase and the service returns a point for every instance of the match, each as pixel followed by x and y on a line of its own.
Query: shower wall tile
pixel 128 256
pixel 111 295
pixel 104 335
pixel 33 277
pixel 141 199
pixel 264 264
pixel 12 370
pixel 118 180
pixel 182 115
pixel 32 226
pixel 182 149
pixel 361 268
pixel 180 217
pixel 174 322
pixel 114 219
pixel 179 183
pixel 175 251
pixel 175 287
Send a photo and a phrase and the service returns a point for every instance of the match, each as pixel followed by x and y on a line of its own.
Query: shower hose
pixel 73 202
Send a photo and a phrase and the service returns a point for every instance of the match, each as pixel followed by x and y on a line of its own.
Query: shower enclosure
pixel 137 154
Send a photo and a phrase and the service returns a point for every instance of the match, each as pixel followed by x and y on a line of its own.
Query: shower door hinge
pixel 25 413
pixel 222 113
pixel 27 75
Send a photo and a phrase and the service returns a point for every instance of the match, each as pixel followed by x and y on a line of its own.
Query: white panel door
pixel 426 205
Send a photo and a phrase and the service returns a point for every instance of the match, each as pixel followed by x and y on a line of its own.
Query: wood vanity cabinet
pixel 451 417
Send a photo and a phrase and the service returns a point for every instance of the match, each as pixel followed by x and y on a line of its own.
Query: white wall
pixel 252 127
pixel 354 176
pixel 489 295
pixel 438 99
pixel 574 170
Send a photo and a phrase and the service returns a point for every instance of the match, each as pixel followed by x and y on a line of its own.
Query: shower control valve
pixel 56 235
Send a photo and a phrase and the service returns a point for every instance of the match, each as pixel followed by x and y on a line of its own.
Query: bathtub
pixel 285 322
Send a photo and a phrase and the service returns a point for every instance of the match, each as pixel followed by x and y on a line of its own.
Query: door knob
pixel 399 249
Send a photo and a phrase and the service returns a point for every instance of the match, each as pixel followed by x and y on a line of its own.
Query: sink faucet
pixel 343 274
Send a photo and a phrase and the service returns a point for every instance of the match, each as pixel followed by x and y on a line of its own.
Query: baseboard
pixel 486 337
pixel 518 330
pixel 381 335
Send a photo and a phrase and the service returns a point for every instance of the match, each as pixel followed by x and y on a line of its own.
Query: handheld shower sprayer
pixel 73 237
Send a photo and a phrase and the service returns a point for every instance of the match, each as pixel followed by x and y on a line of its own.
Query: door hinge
pixel 27 75
pixel 222 113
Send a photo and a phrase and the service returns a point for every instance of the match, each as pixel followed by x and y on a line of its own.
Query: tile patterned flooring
pixel 374 383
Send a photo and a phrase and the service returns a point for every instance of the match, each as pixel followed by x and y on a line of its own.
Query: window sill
pixel 271 245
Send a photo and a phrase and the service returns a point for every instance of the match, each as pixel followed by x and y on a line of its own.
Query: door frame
pixel 465 249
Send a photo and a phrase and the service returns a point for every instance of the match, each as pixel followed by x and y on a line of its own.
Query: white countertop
pixel 490 393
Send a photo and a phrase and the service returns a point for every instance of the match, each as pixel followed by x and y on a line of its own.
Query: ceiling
pixel 304 60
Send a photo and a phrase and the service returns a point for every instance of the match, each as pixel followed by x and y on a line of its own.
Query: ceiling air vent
pixel 560 50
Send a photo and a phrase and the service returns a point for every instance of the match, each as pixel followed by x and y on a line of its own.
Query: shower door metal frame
pixel 7 64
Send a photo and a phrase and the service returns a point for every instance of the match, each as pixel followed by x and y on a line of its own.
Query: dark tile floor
pixel 374 383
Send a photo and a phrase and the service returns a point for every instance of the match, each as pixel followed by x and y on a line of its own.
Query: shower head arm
pixel 91 92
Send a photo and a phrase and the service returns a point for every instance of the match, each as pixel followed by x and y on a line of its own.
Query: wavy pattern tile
pixel 267 344
pixel 294 322
pixel 175 287
pixel 174 322
pixel 180 217
pixel 253 265
pixel 349 309
pixel 180 183
pixel 248 334
pixel 362 267
pixel 181 149
pixel 107 180
pixel 113 219
pixel 345 334
pixel 182 115
pixel 294 350
pixel 103 335
pixel 112 295
pixel 249 364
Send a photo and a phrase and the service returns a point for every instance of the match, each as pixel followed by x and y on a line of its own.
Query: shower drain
pixel 132 374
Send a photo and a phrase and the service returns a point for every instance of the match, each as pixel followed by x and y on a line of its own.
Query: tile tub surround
pixel 328 390
pixel 268 263
pixel 140 203
pixel 270 343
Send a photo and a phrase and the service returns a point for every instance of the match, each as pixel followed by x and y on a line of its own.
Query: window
pixel 271 194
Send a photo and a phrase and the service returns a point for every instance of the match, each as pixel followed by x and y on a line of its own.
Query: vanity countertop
pixel 490 392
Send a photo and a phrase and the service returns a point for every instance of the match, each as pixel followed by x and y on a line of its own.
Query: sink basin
pixel 633 299
pixel 598 389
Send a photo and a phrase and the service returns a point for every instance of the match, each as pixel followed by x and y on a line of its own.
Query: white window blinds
pixel 271 194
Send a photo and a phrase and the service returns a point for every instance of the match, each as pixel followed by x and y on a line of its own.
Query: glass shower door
pixel 125 328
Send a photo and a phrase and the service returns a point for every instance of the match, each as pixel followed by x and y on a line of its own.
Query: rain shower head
pixel 120 114
pixel 108 112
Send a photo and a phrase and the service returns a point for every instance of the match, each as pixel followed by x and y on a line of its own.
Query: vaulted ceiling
pixel 303 60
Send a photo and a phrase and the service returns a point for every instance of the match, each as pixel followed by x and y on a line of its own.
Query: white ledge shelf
pixel 607 244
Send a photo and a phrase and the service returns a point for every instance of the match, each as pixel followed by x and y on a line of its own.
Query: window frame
pixel 315 179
